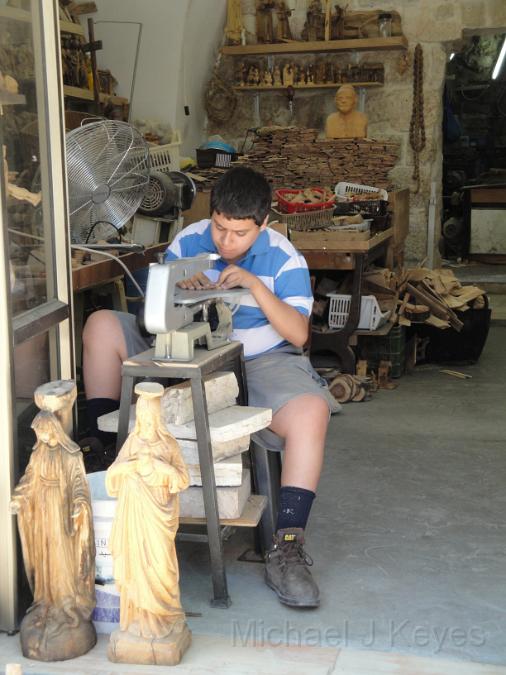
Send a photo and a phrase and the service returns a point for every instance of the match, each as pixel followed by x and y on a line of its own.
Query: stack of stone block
pixel 230 429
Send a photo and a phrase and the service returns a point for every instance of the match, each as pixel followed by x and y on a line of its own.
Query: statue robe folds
pixel 145 478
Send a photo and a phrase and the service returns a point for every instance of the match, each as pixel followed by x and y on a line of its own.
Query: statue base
pixel 127 648
pixel 46 635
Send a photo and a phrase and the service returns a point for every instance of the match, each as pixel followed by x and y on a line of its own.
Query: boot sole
pixel 288 601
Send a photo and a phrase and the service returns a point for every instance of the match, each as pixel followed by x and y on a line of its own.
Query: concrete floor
pixel 407 535
pixel 407 531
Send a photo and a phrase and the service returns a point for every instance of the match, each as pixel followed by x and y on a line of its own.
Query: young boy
pixel 272 323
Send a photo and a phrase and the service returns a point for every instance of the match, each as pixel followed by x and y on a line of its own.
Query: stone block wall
pixel 435 24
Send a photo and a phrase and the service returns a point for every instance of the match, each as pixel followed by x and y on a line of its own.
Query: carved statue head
pixel 50 433
pixel 346 99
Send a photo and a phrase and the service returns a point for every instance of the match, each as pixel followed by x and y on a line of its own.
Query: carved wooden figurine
pixel 146 478
pixel 283 31
pixel 234 27
pixel 265 25
pixel 52 502
pixel 288 75
pixel 347 122
pixel 277 77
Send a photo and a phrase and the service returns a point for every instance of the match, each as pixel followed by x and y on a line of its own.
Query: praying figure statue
pixel 146 478
pixel 52 503
pixel 347 122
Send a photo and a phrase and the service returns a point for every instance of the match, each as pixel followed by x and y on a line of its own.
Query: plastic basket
pixel 371 209
pixel 290 207
pixel 391 347
pixel 371 316
pixel 345 191
pixel 305 221
pixel 209 157
pixel 165 157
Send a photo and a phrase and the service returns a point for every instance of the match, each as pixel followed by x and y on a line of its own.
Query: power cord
pixel 113 257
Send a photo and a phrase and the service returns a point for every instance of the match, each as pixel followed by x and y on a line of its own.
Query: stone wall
pixel 435 24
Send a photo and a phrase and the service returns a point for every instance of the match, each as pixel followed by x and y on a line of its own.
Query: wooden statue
pixel 347 122
pixel 283 32
pixel 277 77
pixel 265 26
pixel 234 27
pixel 146 478
pixel 288 75
pixel 267 81
pixel 52 502
pixel 337 23
pixel 314 27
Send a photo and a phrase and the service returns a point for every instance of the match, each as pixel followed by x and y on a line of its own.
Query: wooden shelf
pixel 70 27
pixel 250 517
pixel 306 87
pixel 77 92
pixel 16 14
pixel 300 47
pixel 6 98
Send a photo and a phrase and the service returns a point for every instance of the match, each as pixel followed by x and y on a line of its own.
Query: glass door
pixel 35 295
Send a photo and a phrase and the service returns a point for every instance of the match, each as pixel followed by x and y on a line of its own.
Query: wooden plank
pixel 87 276
pixel 488 195
pixel 70 27
pixel 357 44
pixel 328 260
pixel 15 14
pixel 77 92
pixel 398 205
pixel 250 517
pixel 331 241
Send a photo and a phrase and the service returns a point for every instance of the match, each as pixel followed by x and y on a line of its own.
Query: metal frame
pixel 53 316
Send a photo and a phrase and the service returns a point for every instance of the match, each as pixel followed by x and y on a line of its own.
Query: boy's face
pixel 233 237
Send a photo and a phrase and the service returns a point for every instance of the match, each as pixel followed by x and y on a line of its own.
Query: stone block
pixel 222 391
pixel 496 14
pixel 231 500
pixel 190 451
pixel 225 425
pixel 227 473
pixel 473 12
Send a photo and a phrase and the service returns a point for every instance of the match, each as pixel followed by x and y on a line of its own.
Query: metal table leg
pixel 127 386
pixel 221 597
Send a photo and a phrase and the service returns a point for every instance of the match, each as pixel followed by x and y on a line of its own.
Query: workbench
pixel 354 257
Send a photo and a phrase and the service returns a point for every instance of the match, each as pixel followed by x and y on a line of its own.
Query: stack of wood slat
pixel 295 157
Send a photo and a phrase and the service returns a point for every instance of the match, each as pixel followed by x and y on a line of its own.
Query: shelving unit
pixel 22 15
pixel 395 42
pixel 332 85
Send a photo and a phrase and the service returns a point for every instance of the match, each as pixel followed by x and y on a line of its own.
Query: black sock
pixel 97 407
pixel 294 507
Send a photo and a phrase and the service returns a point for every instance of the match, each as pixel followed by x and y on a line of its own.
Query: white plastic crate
pixel 165 157
pixel 343 190
pixel 371 316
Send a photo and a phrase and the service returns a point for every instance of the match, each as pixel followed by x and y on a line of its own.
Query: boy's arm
pixel 285 319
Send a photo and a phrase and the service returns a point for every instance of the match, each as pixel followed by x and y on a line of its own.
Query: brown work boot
pixel 286 570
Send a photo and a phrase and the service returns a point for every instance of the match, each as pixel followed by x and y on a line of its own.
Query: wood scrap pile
pixel 433 296
pixel 295 157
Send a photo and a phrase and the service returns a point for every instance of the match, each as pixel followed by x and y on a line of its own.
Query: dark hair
pixel 242 193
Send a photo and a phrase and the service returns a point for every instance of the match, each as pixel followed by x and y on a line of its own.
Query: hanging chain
pixel 417 124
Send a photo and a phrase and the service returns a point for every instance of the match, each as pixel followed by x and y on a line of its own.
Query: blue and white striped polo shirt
pixel 275 261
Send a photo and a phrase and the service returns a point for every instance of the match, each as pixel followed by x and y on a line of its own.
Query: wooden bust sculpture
pixel 146 478
pixel 52 502
pixel 347 122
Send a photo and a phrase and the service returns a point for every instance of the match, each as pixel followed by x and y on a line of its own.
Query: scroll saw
pixel 169 310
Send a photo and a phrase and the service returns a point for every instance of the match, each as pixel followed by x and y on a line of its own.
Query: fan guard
pixel 108 174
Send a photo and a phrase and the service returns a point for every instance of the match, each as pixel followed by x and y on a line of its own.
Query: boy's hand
pixel 197 282
pixel 233 276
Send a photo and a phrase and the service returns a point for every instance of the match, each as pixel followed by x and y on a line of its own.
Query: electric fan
pixel 108 174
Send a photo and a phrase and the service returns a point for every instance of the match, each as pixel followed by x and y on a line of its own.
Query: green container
pixel 391 347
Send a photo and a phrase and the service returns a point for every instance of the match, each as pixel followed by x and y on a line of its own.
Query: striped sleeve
pixel 291 281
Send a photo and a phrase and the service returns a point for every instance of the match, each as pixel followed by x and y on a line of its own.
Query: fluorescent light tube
pixel 500 59
pixel 451 56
